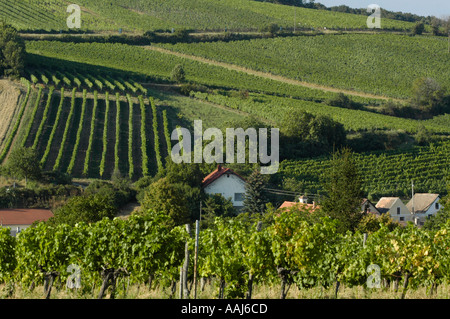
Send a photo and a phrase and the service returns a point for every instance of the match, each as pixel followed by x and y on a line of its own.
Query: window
pixel 436 205
pixel 398 210
pixel 402 219
pixel 238 197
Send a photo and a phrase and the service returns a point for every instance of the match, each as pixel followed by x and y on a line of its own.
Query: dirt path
pixel 267 75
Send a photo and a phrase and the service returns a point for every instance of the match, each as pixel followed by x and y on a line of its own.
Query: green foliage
pixel 78 138
pixel 174 199
pixel 344 192
pixel 8 144
pixel 255 198
pixel 418 28
pixel 91 135
pixel 304 134
pixel 216 205
pixel 130 137
pixel 178 74
pixel 145 171
pixel 12 51
pixel 44 117
pixel 382 173
pixel 7 254
pixel 87 209
pixel 57 164
pixel 54 127
pixel 306 58
pixel 33 115
pixel 156 135
pixel 23 163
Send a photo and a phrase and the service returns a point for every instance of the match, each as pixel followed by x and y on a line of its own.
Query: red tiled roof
pixel 23 216
pixel 290 204
pixel 219 171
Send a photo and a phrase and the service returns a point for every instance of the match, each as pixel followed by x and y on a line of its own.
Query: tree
pixel 305 135
pixel 216 205
pixel 255 198
pixel 418 28
pixel 178 74
pixel 12 51
pixel 88 209
pixel 370 223
pixel 23 163
pixel 428 95
pixel 343 189
pixel 176 200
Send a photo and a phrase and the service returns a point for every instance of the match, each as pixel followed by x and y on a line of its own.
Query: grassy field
pixel 210 291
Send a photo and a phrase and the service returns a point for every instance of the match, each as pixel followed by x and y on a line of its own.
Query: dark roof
pixel 218 172
pixel 385 203
pixel 422 201
pixel 23 216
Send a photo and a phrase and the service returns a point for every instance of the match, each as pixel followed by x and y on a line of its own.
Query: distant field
pixel 141 15
pixel 383 64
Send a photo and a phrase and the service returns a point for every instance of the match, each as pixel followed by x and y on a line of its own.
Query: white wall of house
pixel 16 228
pixel 433 209
pixel 399 212
pixel 229 186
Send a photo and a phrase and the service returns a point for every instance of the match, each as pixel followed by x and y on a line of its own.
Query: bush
pixel 178 74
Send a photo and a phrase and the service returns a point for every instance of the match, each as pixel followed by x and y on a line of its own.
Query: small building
pixel 227 183
pixel 396 208
pixel 302 203
pixel 20 219
pixel 369 208
pixel 423 205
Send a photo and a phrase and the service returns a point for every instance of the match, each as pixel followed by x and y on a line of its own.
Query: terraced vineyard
pixel 89 133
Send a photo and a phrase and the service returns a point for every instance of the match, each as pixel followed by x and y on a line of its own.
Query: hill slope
pixel 143 15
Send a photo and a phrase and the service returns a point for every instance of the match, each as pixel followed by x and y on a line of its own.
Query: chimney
pixel 314 204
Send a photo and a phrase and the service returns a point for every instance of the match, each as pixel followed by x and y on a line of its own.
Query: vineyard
pixel 349 61
pixel 239 254
pixel 383 173
pixel 76 120
pixel 160 15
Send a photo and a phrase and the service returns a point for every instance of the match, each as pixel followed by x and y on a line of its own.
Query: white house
pixel 369 208
pixel 423 205
pixel 20 219
pixel 395 207
pixel 227 183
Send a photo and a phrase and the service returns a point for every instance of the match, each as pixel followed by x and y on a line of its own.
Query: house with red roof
pixel 226 182
pixel 302 203
pixel 20 219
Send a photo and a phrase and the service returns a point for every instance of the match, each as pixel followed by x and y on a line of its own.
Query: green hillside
pixel 95 107
pixel 383 64
pixel 140 15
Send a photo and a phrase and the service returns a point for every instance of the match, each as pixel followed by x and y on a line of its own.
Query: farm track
pixel 268 75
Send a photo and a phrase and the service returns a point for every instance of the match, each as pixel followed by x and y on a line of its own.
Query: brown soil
pixel 10 97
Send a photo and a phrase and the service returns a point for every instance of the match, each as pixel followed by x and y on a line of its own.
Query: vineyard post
pixel 197 230
pixel 184 291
